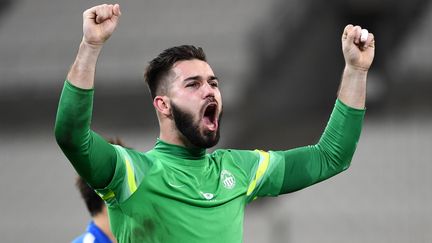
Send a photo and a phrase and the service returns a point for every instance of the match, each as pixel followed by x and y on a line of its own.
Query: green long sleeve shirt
pixel 175 194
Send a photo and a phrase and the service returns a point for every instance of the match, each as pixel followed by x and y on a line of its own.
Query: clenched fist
pixel 358 54
pixel 99 22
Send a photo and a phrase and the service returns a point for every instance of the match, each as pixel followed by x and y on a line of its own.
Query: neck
pixel 102 221
pixel 173 136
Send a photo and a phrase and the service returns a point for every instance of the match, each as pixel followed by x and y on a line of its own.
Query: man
pixel 98 230
pixel 176 192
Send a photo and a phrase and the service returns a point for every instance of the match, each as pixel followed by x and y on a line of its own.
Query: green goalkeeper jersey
pixel 177 194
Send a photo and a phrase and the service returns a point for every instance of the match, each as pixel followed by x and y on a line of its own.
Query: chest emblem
pixel 228 179
pixel 207 195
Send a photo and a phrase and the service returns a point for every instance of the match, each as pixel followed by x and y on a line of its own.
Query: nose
pixel 208 90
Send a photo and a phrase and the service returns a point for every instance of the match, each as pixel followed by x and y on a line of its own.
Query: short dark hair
pixel 92 200
pixel 159 67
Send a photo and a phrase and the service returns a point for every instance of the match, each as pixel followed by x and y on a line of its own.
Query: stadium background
pixel 280 64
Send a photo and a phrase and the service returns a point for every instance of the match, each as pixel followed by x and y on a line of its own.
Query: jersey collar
pixel 179 151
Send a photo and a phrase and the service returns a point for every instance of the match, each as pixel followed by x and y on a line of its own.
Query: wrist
pixel 87 56
pixel 90 48
pixel 352 90
pixel 82 71
pixel 355 69
pixel 354 74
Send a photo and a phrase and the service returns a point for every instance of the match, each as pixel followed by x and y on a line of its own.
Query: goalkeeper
pixel 177 192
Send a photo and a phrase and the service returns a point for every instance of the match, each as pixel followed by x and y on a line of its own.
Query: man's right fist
pixel 99 22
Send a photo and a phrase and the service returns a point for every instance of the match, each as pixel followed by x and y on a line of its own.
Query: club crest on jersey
pixel 228 179
pixel 207 195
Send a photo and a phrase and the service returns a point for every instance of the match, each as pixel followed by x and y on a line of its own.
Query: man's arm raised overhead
pixel 92 157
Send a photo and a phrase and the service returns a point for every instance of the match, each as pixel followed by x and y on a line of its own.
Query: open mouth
pixel 209 117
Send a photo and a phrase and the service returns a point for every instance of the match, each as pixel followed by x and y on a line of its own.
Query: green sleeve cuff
pixel 348 109
pixel 73 88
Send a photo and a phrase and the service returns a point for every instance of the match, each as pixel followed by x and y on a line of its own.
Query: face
pixel 196 103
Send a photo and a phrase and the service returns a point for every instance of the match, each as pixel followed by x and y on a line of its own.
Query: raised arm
pixel 335 149
pixel 279 172
pixel 92 157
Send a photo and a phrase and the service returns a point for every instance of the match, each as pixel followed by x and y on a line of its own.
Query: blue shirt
pixel 93 234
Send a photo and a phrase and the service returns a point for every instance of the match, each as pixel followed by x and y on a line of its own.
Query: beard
pixel 185 124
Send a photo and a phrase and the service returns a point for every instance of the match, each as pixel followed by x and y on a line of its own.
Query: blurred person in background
pixel 177 192
pixel 98 229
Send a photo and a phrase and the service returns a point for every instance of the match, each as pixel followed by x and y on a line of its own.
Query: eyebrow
pixel 198 77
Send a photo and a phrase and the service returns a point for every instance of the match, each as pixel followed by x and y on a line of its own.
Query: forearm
pixel 352 91
pixel 331 155
pixel 92 157
pixel 82 71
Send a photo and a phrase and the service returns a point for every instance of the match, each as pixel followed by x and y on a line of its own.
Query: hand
pixel 99 22
pixel 358 55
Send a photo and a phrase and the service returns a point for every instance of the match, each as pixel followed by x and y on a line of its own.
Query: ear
pixel 162 105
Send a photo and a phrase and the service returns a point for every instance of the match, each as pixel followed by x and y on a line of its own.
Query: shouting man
pixel 176 192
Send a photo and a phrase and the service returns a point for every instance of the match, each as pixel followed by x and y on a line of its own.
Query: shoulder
pixel 132 155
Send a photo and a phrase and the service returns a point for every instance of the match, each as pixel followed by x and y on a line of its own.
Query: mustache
pixel 209 100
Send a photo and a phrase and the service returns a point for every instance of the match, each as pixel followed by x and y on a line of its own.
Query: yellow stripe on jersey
pixel 130 173
pixel 130 176
pixel 106 196
pixel 262 168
